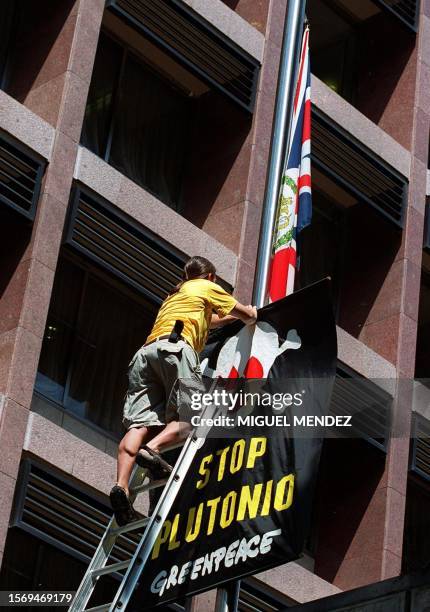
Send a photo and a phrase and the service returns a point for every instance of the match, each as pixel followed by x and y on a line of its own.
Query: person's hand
pixel 252 315
pixel 247 314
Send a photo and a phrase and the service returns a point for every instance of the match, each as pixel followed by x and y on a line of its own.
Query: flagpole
pixel 227 598
pixel 281 132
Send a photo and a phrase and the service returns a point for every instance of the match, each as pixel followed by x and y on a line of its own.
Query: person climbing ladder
pixel 153 416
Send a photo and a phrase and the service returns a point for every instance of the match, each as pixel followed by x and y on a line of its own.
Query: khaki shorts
pixel 155 395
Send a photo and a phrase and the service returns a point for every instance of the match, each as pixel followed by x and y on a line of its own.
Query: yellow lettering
pixel 203 471
pixel 279 502
pixel 249 503
pixel 257 448
pixel 267 497
pixel 212 503
pixel 223 456
pixel 227 510
pixel 237 453
pixel 162 538
pixel 191 531
pixel 173 543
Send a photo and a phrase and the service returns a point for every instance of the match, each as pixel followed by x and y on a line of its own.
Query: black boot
pixel 121 506
pixel 150 460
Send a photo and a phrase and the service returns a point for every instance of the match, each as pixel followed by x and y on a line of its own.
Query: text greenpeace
pixel 239 550
pixel 246 503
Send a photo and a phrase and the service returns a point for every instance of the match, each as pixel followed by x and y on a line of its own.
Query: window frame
pixel 196 21
pixel 426 239
pixel 411 25
pixel 39 165
pixel 356 150
pixel 77 489
pixel 347 90
pixel 128 53
pixel 89 271
pixel 418 422
pixel 123 220
pixel 342 213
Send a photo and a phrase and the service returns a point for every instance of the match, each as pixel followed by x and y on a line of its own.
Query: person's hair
pixel 196 267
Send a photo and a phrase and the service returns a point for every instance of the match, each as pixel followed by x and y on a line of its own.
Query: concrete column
pixel 372 549
pixel 254 11
pixel 56 89
pixel 204 602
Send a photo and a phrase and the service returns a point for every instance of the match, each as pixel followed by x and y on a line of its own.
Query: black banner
pixel 245 505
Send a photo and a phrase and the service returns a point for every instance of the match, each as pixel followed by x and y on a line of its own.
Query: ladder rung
pixel 109 540
pixel 110 569
pixel 154 484
pixel 130 526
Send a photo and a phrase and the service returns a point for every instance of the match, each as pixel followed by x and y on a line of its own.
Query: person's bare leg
pixel 128 449
pixel 174 433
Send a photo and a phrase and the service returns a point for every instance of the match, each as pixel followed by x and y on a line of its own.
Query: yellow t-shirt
pixel 193 304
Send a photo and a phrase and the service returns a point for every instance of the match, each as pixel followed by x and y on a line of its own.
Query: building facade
pixel 135 133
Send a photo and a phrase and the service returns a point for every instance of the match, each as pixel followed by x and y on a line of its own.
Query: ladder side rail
pixel 98 561
pixel 155 524
pixel 153 527
pixel 99 558
pixel 162 510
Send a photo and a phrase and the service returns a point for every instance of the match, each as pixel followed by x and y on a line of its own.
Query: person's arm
pixel 247 314
pixel 216 321
pixel 227 307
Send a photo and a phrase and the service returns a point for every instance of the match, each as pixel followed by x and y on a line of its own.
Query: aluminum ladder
pixel 99 564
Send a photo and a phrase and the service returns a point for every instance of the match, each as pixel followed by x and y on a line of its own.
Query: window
pixel 28 33
pixel 21 174
pixel 92 331
pixel 416 544
pixel 333 42
pixel 325 236
pixel 6 27
pixel 138 121
pixel 159 121
pixel 350 470
pixel 31 564
pixel 333 246
pixel 361 49
pixel 55 529
pixel 422 361
pixel 353 166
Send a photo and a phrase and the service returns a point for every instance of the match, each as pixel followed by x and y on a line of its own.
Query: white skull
pixel 259 341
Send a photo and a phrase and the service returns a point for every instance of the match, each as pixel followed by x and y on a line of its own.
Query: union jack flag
pixel 295 201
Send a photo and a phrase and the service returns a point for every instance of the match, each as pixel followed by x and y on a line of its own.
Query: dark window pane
pixel 17 568
pixel 151 132
pixel 91 334
pixel 422 363
pixel 98 112
pixel 31 564
pixel 333 43
pixel 110 330
pixel 59 333
pixel 7 20
pixel 320 244
pixel 53 364
pixel 416 545
pixel 333 66
pixel 67 291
